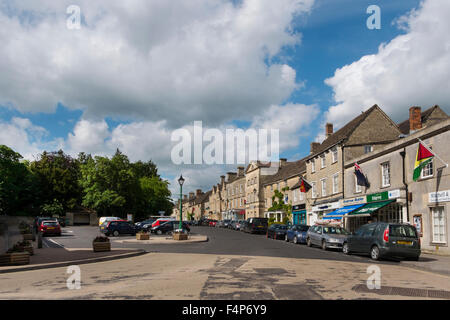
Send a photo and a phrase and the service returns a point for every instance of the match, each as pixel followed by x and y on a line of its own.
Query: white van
pixel 104 219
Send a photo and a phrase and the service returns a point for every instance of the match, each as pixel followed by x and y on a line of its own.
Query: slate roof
pixel 288 170
pixel 425 115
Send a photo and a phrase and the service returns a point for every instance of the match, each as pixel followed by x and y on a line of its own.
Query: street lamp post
pixel 181 181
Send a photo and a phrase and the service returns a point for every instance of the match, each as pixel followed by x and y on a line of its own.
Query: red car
pixel 50 227
pixel 212 223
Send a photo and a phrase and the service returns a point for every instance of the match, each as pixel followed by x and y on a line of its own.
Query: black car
pixel 118 227
pixel 255 225
pixel 277 231
pixel 169 227
pixel 382 239
pixel 144 225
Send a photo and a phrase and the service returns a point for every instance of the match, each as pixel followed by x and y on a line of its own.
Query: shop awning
pixel 369 208
pixel 337 214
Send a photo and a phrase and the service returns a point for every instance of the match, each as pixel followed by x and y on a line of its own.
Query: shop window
pixel 438 225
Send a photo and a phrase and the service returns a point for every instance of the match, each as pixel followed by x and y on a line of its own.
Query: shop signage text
pixel 441 196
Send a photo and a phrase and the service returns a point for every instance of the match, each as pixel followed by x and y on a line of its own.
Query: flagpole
pixel 446 164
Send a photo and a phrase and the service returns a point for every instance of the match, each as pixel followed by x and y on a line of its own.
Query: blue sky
pixel 130 81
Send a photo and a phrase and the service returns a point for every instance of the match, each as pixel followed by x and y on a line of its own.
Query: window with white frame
pixel 357 186
pixel 314 190
pixel 368 149
pixel 323 183
pixel 300 195
pixel 322 161
pixel 313 165
pixel 438 225
pixel 336 183
pixel 242 188
pixel 385 174
pixel 295 195
pixel 334 155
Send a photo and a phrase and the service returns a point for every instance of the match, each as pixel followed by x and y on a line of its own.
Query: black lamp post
pixel 181 181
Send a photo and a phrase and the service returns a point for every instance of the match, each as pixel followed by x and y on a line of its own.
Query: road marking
pixel 59 245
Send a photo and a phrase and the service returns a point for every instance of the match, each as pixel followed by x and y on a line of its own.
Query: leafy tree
pixel 278 204
pixel 144 169
pixel 155 196
pixel 18 186
pixel 58 176
pixel 52 209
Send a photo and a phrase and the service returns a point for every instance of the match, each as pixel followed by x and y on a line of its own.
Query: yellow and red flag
pixel 424 156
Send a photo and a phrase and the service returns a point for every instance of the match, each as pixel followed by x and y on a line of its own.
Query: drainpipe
pixel 403 154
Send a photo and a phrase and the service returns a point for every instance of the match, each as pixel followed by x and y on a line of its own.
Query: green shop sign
pixel 378 196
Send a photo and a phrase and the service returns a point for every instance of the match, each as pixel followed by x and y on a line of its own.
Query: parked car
pixel 234 225
pixel 382 239
pixel 104 219
pixel 219 224
pixel 38 222
pixel 203 222
pixel 118 227
pixel 277 231
pixel 161 221
pixel 62 222
pixel 144 225
pixel 256 225
pixel 297 233
pixel 238 225
pixel 212 223
pixel 243 225
pixel 50 227
pixel 226 223
pixel 169 226
pixel 326 236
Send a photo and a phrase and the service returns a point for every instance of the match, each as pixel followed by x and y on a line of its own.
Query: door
pixel 367 237
pixel 355 240
pixel 317 236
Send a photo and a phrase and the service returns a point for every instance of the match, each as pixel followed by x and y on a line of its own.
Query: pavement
pixel 193 238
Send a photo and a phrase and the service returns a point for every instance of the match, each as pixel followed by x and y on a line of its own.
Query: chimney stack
pixel 415 118
pixel 282 162
pixel 191 195
pixel 185 197
pixel 230 175
pixel 222 180
pixel 328 129
pixel 240 171
pixel 198 192
pixel 314 147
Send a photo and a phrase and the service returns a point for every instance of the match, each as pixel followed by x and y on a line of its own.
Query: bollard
pixel 39 237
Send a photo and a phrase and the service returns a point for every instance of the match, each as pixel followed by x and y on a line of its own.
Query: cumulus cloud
pixel 412 69
pixel 149 60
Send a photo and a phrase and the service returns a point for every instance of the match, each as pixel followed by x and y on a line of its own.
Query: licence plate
pixel 409 243
pixel 260 227
pixel 50 228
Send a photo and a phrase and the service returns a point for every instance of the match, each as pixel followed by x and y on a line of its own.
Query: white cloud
pixel 412 69
pixel 149 60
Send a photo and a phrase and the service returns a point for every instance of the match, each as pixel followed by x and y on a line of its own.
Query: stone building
pixel 392 194
pixel 287 177
pixel 368 132
pixel 234 195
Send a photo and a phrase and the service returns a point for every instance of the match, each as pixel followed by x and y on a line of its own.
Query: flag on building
pixel 304 185
pixel 424 156
pixel 361 179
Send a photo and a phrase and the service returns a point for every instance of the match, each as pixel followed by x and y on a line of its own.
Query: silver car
pixel 326 237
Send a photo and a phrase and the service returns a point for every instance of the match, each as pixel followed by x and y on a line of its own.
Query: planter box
pixel 15 259
pixel 101 246
pixel 142 236
pixel 180 236
pixel 29 249
pixel 27 236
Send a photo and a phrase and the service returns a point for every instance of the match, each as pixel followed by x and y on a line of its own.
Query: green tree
pixel 18 186
pixel 52 209
pixel 155 196
pixel 278 204
pixel 58 176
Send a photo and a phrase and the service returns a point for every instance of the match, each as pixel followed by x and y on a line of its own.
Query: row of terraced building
pixel 386 153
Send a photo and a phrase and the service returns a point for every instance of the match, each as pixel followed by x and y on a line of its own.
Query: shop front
pixel 319 211
pixel 380 207
pixel 299 214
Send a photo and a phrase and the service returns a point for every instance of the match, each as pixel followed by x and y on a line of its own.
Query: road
pixel 231 265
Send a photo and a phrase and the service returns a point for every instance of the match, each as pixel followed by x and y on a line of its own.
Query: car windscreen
pixel 282 227
pixel 302 228
pixel 334 230
pixel 50 223
pixel 402 231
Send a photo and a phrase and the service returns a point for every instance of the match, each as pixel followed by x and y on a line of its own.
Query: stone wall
pixel 9 231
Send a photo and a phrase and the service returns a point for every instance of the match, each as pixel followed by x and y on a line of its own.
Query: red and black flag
pixel 361 179
pixel 304 185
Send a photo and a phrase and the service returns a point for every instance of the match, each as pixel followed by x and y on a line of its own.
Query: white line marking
pixel 55 243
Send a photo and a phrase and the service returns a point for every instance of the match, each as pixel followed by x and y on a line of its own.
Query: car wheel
pixel 375 253
pixel 308 242
pixel 116 233
pixel 324 245
pixel 345 248
pixel 295 240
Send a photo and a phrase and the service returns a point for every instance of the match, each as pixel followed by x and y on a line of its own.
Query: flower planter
pixel 15 259
pixel 101 246
pixel 29 249
pixel 28 236
pixel 142 236
pixel 180 236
